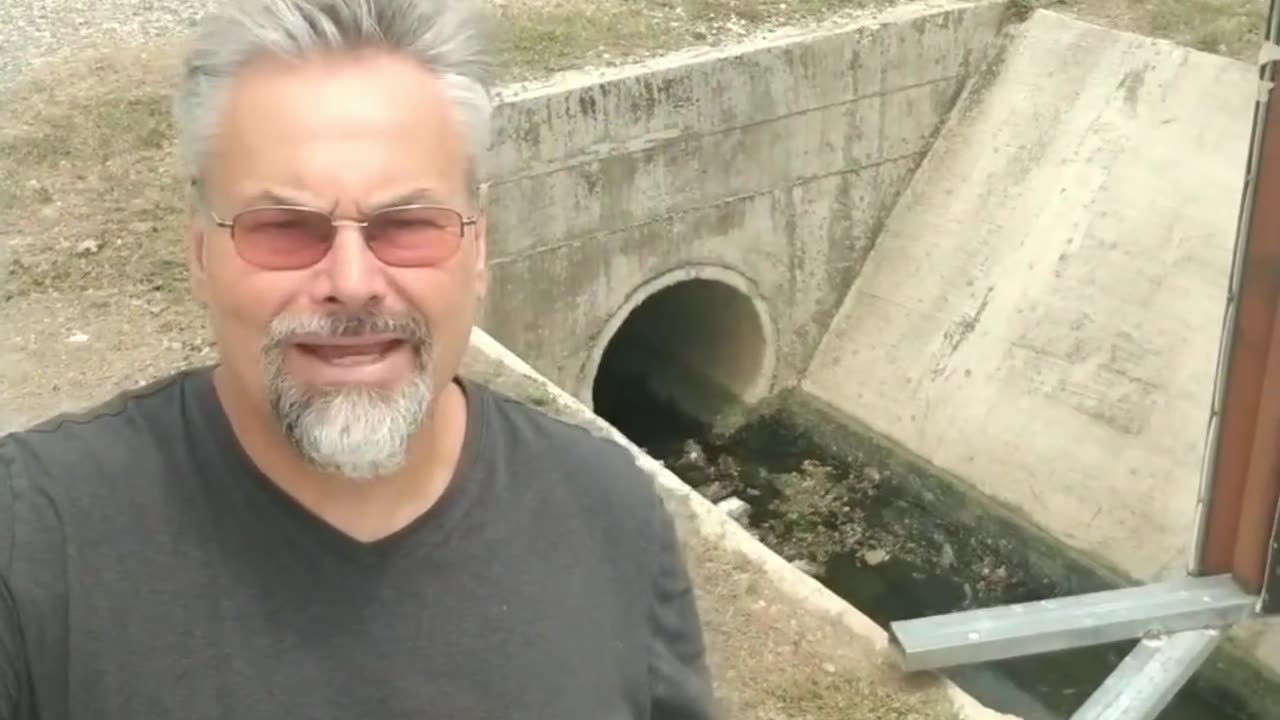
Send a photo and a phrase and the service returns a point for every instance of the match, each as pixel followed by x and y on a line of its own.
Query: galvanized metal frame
pixel 1146 682
pixel 1031 628
pixel 1234 563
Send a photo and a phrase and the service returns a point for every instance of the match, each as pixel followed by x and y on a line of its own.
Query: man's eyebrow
pixel 271 197
pixel 417 196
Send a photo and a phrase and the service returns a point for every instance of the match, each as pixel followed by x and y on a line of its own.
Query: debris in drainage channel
pixel 861 528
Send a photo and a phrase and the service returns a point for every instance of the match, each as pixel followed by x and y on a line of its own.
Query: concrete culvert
pixel 699 347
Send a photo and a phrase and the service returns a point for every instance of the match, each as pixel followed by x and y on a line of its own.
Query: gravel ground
pixel 33 32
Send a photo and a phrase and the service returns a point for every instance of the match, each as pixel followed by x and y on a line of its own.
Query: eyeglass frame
pixel 464 221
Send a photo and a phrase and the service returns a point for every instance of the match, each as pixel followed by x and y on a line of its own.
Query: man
pixel 330 523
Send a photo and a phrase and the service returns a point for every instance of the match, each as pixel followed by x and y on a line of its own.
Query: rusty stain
pixel 1257 514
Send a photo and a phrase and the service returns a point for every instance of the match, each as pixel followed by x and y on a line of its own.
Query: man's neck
pixel 366 510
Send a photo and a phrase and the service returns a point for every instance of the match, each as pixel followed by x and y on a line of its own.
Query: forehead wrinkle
pixel 353 124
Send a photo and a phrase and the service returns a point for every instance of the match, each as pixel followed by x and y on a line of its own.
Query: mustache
pixel 413 328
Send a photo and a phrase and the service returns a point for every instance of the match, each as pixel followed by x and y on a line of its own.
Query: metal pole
pixel 1041 626
pixel 1150 676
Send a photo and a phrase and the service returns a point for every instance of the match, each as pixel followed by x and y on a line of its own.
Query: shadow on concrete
pixel 698 345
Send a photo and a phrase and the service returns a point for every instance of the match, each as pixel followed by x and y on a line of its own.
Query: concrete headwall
pixel 1041 315
pixel 775 161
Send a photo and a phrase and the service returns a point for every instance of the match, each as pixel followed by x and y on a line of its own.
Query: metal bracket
pixel 1153 672
pixel 997 633
pixel 1268 53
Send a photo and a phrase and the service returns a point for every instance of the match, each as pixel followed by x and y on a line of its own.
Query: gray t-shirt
pixel 148 571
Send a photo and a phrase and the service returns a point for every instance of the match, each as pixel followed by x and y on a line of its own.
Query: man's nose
pixel 355 276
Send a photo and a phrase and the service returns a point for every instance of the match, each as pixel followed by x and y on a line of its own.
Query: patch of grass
pixel 1233 28
pixel 1019 10
pixel 542 37
pixel 94 205
pixel 1225 27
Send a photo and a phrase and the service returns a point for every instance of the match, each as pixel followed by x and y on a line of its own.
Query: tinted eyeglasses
pixel 291 238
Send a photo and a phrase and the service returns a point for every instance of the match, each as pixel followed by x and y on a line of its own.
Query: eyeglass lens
pixel 292 238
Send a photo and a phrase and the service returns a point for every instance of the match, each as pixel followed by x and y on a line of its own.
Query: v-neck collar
pixel 227 463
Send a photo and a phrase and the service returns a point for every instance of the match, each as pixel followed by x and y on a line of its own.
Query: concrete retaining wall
pixel 777 160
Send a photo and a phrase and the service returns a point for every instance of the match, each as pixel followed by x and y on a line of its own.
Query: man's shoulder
pixel 75 447
pixel 570 446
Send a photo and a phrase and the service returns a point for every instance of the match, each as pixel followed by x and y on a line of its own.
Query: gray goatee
pixel 353 431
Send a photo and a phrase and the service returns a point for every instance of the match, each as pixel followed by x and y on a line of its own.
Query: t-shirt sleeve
pixel 10 635
pixel 679 677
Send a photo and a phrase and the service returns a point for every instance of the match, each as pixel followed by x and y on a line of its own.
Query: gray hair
pixel 444 36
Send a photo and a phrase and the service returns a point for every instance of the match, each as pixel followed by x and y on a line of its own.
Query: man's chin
pixel 354 430
pixel 317 392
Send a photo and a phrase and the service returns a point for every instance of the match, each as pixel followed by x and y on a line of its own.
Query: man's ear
pixel 197 240
pixel 482 240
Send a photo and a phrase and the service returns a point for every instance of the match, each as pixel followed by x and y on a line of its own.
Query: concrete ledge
pixel 707 531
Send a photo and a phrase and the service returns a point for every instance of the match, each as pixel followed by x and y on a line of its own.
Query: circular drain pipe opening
pixel 688 350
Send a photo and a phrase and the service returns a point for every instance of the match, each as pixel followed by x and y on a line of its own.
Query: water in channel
pixel 874 530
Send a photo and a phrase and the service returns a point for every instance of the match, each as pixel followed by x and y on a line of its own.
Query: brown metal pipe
pixel 1246 481
pixel 1261 489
